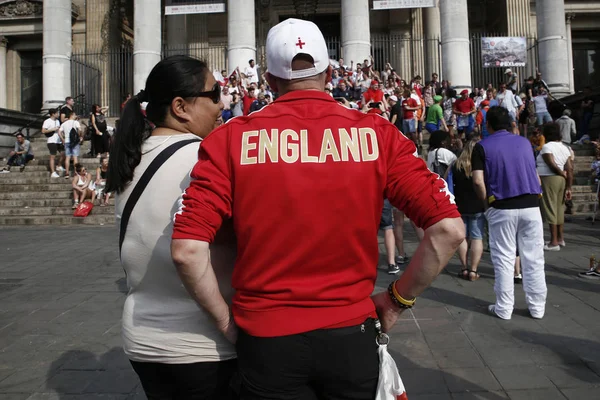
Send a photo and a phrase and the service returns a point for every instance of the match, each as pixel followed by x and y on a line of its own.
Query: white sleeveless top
pixel 161 323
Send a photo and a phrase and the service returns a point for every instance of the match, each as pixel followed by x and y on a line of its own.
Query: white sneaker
pixel 54 175
pixel 492 310
pixel 547 247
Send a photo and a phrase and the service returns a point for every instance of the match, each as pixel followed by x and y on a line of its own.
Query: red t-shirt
pixel 373 95
pixel 306 193
pixel 410 102
pixel 464 106
pixel 247 100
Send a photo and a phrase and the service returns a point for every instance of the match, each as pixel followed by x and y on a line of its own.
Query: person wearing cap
pixel 480 120
pixel 435 116
pixel 512 81
pixel 464 108
pixel 374 95
pixel 290 175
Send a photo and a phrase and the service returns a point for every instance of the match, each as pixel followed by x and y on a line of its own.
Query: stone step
pixel 36 194
pixel 45 161
pixel 584 189
pixel 27 174
pixel 584 207
pixel 62 185
pixel 42 202
pixel 583 197
pixel 47 211
pixel 92 219
pixel 22 179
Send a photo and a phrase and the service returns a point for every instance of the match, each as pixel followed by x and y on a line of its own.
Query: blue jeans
pixel 543 118
pixel 19 159
pixel 409 126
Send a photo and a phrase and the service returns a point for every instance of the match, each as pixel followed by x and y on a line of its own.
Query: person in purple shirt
pixel 505 178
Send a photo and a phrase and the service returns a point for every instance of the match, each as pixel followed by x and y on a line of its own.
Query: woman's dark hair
pixel 94 106
pixel 175 76
pixel 438 140
pixel 552 132
pixel 78 167
pixel 498 118
pixel 451 93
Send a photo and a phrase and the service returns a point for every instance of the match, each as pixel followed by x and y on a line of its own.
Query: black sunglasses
pixel 214 94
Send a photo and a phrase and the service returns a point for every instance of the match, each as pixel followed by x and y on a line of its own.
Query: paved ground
pixel 62 289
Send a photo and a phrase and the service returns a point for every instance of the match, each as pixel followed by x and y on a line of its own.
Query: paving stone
pixel 449 340
pixel 470 380
pixel 424 381
pixel 457 358
pixel 536 394
pixel 480 396
pixel 581 393
pixel 522 377
pixel 24 381
pixel 117 381
pixel 571 376
pixel 501 356
pixel 73 382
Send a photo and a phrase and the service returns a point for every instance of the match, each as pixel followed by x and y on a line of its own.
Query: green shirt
pixel 435 114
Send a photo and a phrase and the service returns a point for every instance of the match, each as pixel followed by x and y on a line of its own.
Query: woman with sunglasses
pixel 83 186
pixel 173 345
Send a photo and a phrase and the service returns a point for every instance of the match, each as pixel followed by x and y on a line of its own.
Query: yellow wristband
pixel 402 300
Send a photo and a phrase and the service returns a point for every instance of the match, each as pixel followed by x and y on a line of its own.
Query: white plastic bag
pixel 390 385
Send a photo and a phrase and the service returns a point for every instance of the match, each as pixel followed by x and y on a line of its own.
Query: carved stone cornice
pixel 21 9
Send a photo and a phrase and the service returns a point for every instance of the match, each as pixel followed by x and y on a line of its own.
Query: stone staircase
pixel 31 197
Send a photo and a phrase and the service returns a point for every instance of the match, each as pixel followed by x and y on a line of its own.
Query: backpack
pixel 73 138
pixel 439 167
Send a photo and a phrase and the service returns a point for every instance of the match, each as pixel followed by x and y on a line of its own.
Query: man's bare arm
pixel 479 185
pixel 439 244
pixel 192 259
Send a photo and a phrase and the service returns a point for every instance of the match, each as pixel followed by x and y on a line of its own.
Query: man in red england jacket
pixel 304 179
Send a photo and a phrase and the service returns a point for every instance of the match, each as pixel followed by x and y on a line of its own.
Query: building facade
pixel 100 50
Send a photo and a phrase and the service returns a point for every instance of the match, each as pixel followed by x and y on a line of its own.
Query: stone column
pixel 176 32
pixel 3 68
pixel 456 52
pixel 356 31
pixel 432 28
pixel 146 40
pixel 241 33
pixel 56 28
pixel 552 45
pixel 569 53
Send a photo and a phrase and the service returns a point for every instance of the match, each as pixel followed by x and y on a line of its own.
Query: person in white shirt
pixel 71 149
pixel 555 168
pixel 50 129
pixel 439 153
pixel 251 72
pixel 226 99
pixel 506 99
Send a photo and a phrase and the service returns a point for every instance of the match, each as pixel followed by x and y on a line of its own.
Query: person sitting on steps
pixel 83 186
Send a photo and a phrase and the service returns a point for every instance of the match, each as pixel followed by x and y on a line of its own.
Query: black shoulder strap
pixel 143 182
pixel 436 157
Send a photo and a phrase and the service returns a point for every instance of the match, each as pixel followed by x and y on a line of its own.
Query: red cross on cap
pixel 300 43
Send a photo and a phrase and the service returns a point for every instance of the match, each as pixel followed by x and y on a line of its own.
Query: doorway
pixel 31 81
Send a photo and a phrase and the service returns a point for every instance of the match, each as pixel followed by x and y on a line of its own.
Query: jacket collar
pixel 305 95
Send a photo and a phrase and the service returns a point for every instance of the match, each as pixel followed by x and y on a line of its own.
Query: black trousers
pixel 331 364
pixel 100 144
pixel 199 381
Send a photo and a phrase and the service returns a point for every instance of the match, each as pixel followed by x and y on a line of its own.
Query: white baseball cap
pixel 508 71
pixel 393 98
pixel 292 37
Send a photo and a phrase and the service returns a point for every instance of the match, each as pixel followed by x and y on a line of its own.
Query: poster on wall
pixel 393 4
pixel 502 52
pixel 178 7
